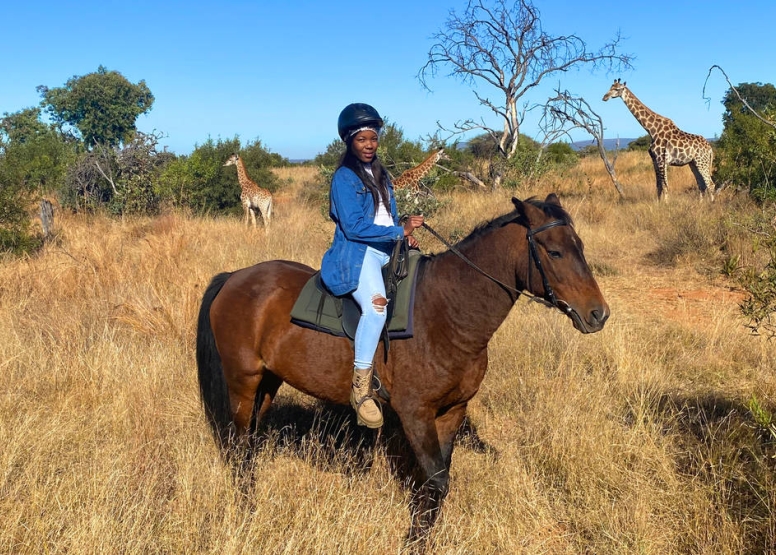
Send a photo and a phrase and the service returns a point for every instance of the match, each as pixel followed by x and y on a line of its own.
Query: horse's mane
pixel 554 211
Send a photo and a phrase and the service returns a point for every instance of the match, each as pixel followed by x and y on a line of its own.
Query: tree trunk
pixel 46 218
pixel 471 178
pixel 610 168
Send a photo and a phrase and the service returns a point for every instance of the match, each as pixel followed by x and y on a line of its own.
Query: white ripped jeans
pixel 371 288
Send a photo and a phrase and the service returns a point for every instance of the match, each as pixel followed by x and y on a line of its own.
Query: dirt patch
pixel 680 294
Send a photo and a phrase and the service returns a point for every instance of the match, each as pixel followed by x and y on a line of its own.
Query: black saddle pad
pixel 316 308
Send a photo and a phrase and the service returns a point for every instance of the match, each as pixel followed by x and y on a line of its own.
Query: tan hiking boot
pixel 367 409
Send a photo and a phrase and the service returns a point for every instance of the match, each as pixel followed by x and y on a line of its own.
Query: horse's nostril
pixel 599 316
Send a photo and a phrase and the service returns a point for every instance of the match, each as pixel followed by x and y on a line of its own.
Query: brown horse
pixel 247 346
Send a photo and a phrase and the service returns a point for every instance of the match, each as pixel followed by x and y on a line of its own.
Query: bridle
pixel 553 301
pixel 535 256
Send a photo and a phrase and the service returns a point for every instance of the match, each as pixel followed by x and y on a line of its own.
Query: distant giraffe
pixel 411 178
pixel 252 197
pixel 670 145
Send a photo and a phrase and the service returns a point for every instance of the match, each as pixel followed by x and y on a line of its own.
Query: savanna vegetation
pixel 655 435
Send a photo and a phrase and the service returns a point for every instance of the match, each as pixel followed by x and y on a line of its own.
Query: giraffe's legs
pixel 702 175
pixel 661 181
pixel 266 211
pixel 247 208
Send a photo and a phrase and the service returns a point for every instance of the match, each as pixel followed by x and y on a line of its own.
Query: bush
pixel 642 143
pixel 410 203
pixel 16 236
pixel 561 156
pixel 123 180
pixel 760 282
pixel 202 183
pixel 746 151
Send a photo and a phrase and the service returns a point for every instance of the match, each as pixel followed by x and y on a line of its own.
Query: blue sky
pixel 280 71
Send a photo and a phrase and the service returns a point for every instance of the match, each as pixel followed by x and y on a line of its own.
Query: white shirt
pixel 383 217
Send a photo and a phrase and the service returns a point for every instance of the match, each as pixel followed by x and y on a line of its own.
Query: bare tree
pixel 503 46
pixel 564 112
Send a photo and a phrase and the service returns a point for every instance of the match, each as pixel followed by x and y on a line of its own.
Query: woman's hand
pixel 412 223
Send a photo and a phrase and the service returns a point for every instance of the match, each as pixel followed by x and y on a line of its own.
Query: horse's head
pixel 556 268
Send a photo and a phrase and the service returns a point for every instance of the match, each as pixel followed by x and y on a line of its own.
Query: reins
pixel 553 302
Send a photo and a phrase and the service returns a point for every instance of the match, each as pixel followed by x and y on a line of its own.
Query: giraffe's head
pixel 232 160
pixel 615 90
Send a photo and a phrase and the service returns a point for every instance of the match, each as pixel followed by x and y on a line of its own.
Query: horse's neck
pixel 473 303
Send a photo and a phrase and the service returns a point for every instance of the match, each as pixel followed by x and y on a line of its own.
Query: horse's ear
pixel 552 198
pixel 520 207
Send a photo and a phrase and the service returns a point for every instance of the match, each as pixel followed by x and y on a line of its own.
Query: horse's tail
pixel 212 385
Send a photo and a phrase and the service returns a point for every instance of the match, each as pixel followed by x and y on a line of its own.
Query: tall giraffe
pixel 252 196
pixel 411 178
pixel 670 145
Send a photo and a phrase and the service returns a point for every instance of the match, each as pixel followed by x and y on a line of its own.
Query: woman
pixel 363 207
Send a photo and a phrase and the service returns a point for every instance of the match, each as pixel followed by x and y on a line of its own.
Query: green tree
pixel 16 234
pixel 102 106
pixel 259 162
pixel 561 155
pixel 397 153
pixel 201 182
pixel 746 150
pixel 212 188
pixel 642 143
pixel 23 126
pixel 331 156
pixel 36 154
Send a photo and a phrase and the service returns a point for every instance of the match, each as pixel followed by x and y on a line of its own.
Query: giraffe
pixel 411 178
pixel 670 145
pixel 253 197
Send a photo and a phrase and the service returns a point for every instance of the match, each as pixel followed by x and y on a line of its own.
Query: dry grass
pixel 634 440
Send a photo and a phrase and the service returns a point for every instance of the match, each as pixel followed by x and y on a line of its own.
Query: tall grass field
pixel 650 437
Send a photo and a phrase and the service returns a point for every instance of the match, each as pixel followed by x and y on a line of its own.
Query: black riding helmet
pixel 357 115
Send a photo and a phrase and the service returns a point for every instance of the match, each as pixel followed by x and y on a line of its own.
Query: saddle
pixel 317 308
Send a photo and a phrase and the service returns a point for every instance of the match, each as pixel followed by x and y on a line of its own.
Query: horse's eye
pixel 555 254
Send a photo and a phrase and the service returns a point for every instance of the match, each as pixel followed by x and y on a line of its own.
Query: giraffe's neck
pixel 242 175
pixel 427 164
pixel 649 120
pixel 418 172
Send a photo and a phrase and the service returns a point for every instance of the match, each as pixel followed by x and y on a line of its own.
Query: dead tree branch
pixel 564 112
pixel 735 90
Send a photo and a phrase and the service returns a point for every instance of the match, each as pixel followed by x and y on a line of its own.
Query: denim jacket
pixel 352 209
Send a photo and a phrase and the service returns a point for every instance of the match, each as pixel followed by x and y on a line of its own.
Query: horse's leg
pixel 243 372
pixel 448 426
pixel 265 394
pixel 421 431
